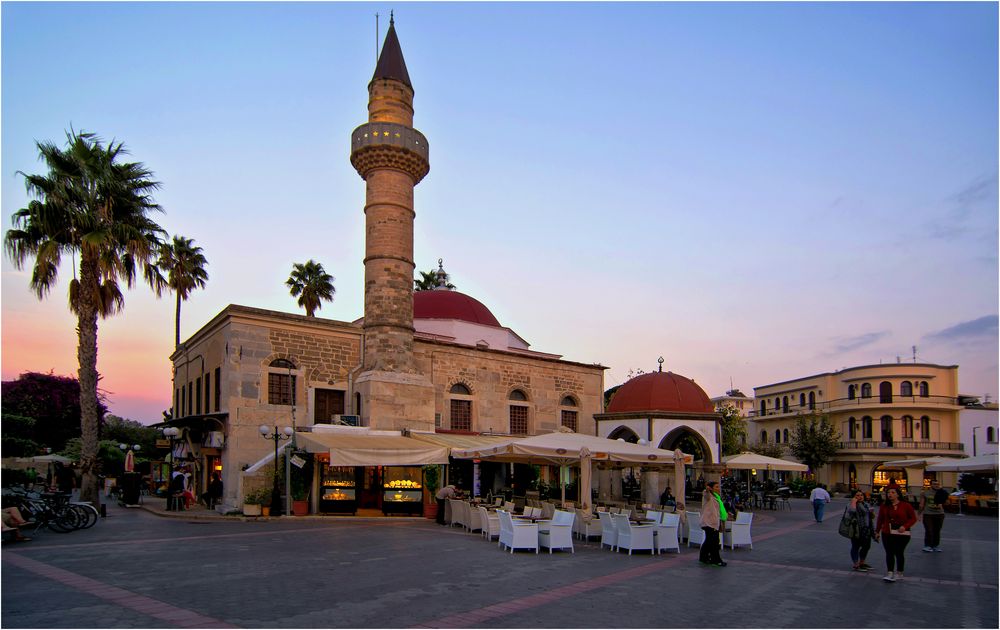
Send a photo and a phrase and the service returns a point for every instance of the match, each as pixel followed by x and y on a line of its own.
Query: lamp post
pixel 125 448
pixel 276 436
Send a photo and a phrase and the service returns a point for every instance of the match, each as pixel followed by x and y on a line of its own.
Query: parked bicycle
pixel 53 510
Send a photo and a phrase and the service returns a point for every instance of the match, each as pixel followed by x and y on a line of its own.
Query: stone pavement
pixel 137 570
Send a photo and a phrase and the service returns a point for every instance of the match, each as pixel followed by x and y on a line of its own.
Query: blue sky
pixel 756 192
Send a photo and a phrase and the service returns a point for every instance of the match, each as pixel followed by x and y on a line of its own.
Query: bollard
pixel 104 510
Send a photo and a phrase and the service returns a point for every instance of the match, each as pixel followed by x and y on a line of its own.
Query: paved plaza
pixel 139 569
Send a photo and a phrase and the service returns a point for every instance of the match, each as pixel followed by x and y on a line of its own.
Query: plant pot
pixel 265 510
pixel 430 510
pixel 300 507
pixel 251 509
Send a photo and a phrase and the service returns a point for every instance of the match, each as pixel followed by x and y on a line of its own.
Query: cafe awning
pixel 459 441
pixel 372 450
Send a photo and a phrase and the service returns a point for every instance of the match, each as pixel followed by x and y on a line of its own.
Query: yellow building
pixel 884 413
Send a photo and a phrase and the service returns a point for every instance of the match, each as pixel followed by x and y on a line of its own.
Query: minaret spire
pixel 390 63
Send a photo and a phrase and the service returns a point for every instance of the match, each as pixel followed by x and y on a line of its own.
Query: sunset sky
pixel 756 192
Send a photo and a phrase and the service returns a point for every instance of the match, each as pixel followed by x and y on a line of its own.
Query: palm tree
pixel 311 284
pixel 184 265
pixel 93 206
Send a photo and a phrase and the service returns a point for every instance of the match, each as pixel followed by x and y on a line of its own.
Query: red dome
pixel 661 391
pixel 441 304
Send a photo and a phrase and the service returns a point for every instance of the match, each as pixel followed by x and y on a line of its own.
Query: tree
pixel 733 428
pixel 95 207
pixel 311 284
pixel 51 402
pixel 768 449
pixel 814 440
pixel 611 391
pixel 124 431
pixel 184 265
pixel 428 280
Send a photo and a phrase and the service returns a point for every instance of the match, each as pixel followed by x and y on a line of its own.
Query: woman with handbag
pixel 895 519
pixel 859 518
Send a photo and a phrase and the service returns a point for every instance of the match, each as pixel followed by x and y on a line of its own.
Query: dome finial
pixel 391 20
pixel 442 276
pixel 660 361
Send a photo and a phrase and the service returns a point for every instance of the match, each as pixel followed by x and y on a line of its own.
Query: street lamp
pixel 277 436
pixel 125 448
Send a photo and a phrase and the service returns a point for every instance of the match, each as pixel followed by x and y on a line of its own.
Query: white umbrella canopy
pixel 746 461
pixel 980 463
pixel 568 448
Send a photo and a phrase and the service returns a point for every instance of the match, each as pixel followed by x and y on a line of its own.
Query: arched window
pixel 784 404
pixel 569 417
pixel 461 408
pixel 907 427
pixel 852 391
pixel 925 390
pixel 519 395
pixel 777 403
pixel 866 390
pixel 280 382
pixel 885 392
pixel 763 437
pixel 852 429
pixel 866 428
pixel 777 436
pixel 906 388
pixel 784 436
pixel 925 428
pixel 991 435
pixel 812 400
pixel 802 400
pixel 886 430
pixel 763 407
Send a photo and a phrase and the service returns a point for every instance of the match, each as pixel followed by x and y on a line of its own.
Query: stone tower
pixel 392 157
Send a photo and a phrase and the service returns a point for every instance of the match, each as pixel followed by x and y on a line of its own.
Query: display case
pixel 338 490
pixel 402 490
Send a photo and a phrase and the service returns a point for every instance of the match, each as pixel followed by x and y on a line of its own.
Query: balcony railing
pixel 844 403
pixel 920 445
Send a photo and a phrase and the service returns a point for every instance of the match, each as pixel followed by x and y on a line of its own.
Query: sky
pixel 754 192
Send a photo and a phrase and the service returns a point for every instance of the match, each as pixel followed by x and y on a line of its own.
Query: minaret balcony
pixel 390 145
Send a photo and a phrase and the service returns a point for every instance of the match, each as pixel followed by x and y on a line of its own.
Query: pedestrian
pixel 862 541
pixel 932 509
pixel 895 520
pixel 667 498
pixel 819 497
pixel 175 492
pixel 214 493
pixel 445 493
pixel 713 519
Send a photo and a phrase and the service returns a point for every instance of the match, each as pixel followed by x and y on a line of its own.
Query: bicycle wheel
pixel 88 514
pixel 64 521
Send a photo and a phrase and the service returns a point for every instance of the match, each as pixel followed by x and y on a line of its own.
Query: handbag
pixel 848 527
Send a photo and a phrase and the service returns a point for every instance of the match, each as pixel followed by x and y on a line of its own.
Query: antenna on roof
pixel 376 38
pixel 914 353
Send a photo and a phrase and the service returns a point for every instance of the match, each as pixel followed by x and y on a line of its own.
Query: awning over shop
pixel 911 463
pixel 749 461
pixel 458 441
pixel 372 450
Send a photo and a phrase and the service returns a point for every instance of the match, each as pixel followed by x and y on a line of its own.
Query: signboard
pixel 160 443
pixel 297 461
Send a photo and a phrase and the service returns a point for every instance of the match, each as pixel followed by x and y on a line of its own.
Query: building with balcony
pixel 736 399
pixel 884 413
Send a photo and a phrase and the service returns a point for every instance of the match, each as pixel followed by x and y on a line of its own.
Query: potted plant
pixel 432 479
pixel 300 496
pixel 253 502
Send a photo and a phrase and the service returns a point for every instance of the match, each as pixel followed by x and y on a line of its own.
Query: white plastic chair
pixel 740 532
pixel 557 533
pixel 457 513
pixel 548 509
pixel 666 533
pixel 587 525
pixel 626 512
pixel 472 520
pixel 517 535
pixel 695 533
pixel 633 537
pixel 609 533
pixel 490 523
pixel 615 510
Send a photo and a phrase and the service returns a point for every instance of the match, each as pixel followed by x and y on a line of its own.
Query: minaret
pixel 392 157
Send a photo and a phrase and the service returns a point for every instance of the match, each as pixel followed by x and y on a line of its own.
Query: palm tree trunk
pixel 177 321
pixel 87 357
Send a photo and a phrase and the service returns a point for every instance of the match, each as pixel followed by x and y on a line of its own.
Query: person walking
pixel 713 519
pixel 895 520
pixel 862 542
pixel 819 497
pixel 932 510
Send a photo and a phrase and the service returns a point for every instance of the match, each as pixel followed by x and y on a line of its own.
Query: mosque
pixel 422 371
